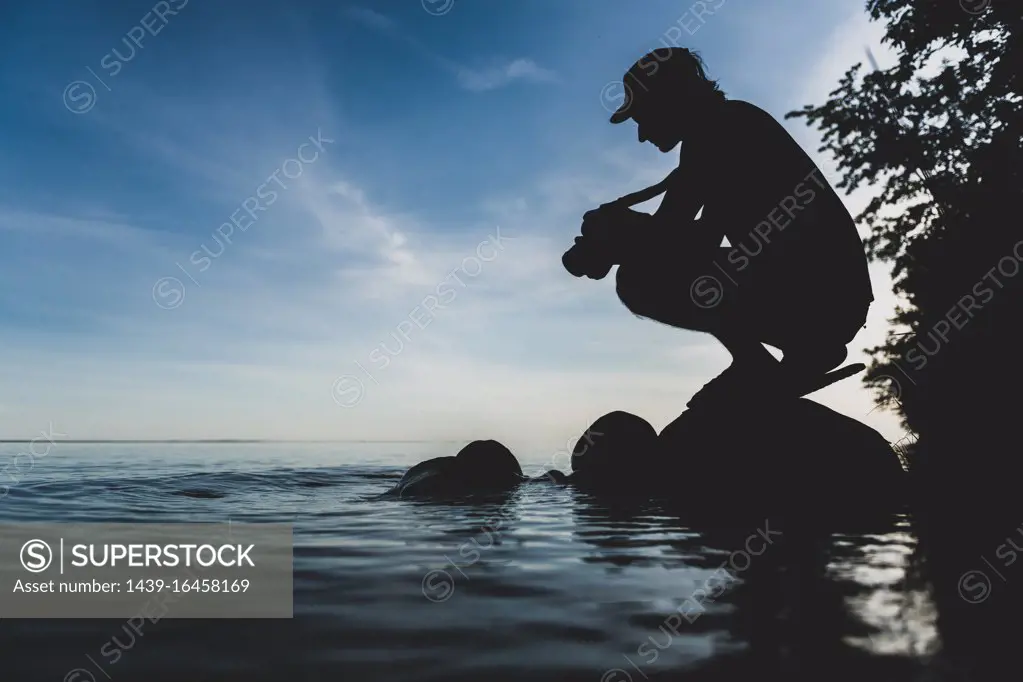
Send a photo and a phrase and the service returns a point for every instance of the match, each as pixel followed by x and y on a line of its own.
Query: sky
pixel 393 184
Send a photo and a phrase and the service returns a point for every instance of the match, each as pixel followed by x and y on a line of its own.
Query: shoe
pixel 807 385
pixel 813 361
pixel 806 366
pixel 736 383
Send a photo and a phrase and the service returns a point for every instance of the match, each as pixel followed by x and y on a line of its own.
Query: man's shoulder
pixel 742 129
pixel 750 130
pixel 742 114
pixel 741 105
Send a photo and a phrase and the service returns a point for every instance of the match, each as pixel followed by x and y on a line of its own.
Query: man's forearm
pixel 645 237
pixel 670 236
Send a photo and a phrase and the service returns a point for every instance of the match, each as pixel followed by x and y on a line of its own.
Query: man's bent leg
pixel 671 289
pixel 677 291
pixel 824 348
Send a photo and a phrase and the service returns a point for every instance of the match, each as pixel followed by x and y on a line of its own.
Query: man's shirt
pixel 761 190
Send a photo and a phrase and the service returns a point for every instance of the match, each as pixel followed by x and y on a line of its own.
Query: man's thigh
pixel 798 313
pixel 678 287
pixel 777 301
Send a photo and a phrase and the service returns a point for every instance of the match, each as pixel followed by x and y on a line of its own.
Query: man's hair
pixel 687 69
pixel 701 71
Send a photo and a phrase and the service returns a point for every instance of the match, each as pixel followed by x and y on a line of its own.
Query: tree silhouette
pixel 939 137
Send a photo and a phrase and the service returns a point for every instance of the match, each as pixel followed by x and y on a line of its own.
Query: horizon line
pixel 225 440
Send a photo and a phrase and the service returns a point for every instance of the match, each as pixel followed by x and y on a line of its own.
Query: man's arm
pixel 675 218
pixel 631 235
pixel 683 198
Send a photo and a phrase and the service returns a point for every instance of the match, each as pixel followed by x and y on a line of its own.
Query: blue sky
pixel 404 281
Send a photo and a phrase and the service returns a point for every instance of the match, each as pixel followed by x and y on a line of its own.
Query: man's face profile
pixel 656 123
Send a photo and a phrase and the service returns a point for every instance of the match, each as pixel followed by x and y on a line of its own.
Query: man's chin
pixel 666 147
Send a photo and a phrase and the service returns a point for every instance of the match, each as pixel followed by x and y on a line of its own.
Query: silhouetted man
pixel 794 275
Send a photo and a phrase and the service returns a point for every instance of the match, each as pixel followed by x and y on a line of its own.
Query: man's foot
pixel 740 381
pixel 804 366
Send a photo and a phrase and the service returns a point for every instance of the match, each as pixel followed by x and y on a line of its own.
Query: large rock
pixel 482 466
pixel 794 455
pixel 616 453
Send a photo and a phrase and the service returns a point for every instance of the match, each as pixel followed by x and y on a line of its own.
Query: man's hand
pixel 609 235
pixel 616 227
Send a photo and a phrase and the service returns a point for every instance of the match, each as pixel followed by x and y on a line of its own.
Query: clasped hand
pixel 615 228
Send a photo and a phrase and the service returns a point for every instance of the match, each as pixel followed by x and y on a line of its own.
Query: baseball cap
pixel 660 67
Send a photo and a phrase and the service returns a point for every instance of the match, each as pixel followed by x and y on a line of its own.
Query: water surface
pixel 543 584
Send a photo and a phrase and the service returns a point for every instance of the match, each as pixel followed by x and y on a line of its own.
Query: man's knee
pixel 656 295
pixel 634 289
pixel 625 286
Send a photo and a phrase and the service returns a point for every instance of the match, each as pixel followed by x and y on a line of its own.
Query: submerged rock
pixel 789 455
pixel 482 466
pixel 553 476
pixel 616 451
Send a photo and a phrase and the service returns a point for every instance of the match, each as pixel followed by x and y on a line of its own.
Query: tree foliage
pixel 939 136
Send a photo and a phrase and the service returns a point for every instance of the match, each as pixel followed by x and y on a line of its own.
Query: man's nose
pixel 640 135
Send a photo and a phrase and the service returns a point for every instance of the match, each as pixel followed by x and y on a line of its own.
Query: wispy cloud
pixel 372 18
pixel 499 76
pixel 500 73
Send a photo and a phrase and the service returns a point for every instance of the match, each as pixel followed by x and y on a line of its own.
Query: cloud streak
pixel 498 74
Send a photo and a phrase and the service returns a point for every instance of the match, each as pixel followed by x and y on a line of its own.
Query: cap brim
pixel 621 115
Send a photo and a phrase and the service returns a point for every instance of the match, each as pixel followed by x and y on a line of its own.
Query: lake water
pixel 544 584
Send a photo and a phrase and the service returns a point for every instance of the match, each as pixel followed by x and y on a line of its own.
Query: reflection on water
pixel 545 583
pixel 728 599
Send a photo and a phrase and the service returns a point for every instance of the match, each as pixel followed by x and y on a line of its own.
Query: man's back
pixel 768 197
